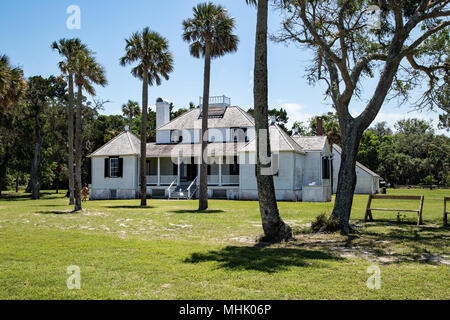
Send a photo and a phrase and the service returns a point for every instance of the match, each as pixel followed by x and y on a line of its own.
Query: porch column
pixel 220 171
pixel 159 171
pixel 198 171
pixel 178 171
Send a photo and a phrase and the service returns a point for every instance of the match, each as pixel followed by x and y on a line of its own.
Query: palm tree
pixel 12 83
pixel 131 110
pixel 87 71
pixel 68 49
pixel 210 34
pixel 274 227
pixel 151 51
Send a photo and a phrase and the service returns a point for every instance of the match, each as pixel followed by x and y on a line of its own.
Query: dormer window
pixel 176 136
pixel 239 134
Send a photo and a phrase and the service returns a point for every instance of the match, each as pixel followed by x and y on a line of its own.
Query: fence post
pixel 419 219
pixel 368 212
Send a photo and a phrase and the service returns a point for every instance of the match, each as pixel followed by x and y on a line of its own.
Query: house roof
pixel 361 166
pixel 279 141
pixel 310 143
pixel 232 117
pixel 124 144
pixel 193 150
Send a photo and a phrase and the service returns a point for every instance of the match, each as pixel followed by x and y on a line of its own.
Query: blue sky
pixel 27 28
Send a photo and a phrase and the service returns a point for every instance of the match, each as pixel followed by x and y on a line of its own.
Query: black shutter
pixel 106 167
pixel 175 169
pixel 208 171
pixel 120 167
pixel 89 178
pixel 325 169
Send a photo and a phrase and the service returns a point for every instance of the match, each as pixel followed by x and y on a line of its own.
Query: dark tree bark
pixel 3 163
pixel 143 173
pixel 274 227
pixel 203 198
pixel 78 151
pixel 70 166
pixel 34 174
pixel 347 177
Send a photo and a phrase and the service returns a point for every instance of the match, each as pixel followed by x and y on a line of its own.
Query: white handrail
pixel 171 185
pixel 190 186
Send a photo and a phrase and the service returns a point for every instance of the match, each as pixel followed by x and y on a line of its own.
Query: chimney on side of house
pixel 319 126
pixel 162 112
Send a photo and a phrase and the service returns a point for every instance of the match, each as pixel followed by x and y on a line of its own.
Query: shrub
pixel 324 224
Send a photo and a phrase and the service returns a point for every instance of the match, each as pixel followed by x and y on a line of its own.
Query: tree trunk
pixel 3 163
pixel 34 174
pixel 78 151
pixel 203 198
pixel 347 177
pixel 70 166
pixel 274 227
pixel 17 183
pixel 143 159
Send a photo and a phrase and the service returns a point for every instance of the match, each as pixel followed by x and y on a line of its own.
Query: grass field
pixel 170 251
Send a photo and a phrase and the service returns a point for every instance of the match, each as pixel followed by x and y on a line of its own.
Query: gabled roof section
pixel 124 144
pixel 310 143
pixel 360 165
pixel 279 141
pixel 233 117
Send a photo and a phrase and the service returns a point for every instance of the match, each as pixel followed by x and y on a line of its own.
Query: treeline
pixel 20 132
pixel 411 153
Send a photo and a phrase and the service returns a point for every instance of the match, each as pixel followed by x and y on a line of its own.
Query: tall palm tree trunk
pixel 70 139
pixel 203 198
pixel 143 158
pixel 34 175
pixel 274 227
pixel 78 151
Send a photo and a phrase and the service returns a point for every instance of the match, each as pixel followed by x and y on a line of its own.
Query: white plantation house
pixel 303 173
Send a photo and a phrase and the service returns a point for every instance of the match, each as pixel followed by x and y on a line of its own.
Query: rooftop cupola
pixel 217 105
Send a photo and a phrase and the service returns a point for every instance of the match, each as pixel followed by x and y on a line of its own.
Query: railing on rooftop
pixel 217 100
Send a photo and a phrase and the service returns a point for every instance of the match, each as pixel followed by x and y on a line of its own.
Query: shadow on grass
pixel 129 207
pixel 268 260
pixel 400 242
pixel 57 212
pixel 27 196
pixel 197 211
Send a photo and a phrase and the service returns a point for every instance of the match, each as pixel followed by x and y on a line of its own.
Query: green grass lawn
pixel 170 251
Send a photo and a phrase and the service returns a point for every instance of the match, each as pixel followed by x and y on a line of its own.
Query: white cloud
pixel 296 112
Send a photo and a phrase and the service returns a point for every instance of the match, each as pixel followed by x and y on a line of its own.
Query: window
pixel 176 136
pixel 114 167
pixel 325 168
pixel 239 134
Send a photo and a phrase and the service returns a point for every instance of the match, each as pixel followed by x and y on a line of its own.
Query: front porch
pixel 166 171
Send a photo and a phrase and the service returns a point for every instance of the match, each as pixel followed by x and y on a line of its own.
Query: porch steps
pixel 180 192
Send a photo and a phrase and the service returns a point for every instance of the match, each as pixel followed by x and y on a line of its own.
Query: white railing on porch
pixel 165 180
pixel 230 179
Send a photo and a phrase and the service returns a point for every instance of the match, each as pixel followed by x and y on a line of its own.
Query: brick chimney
pixel 319 126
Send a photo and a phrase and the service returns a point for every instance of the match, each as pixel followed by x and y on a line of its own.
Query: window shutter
pixel 106 167
pixel 325 168
pixel 120 167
